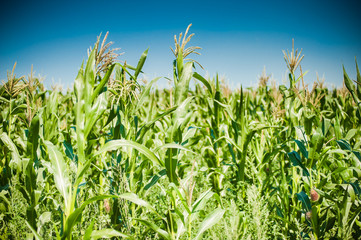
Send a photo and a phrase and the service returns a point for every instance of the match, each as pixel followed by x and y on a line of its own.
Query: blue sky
pixel 238 38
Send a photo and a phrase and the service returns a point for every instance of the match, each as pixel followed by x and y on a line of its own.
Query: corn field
pixel 117 158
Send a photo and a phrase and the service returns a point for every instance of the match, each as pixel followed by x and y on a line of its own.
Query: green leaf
pixel 83 170
pixel 69 150
pixel 316 144
pixel 356 187
pixel 209 221
pixel 74 217
pixel 315 220
pixel 147 126
pixel 108 233
pixel 95 113
pixel 140 64
pixel 181 88
pixel 102 83
pixel 348 82
pixel 189 135
pixel 350 134
pixel 349 85
pixel 171 159
pixel 124 68
pixel 116 144
pixel 358 76
pixel 170 163
pixel 15 156
pixel 36 235
pixel 302 148
pixel 155 179
pixel 132 197
pixel 230 141
pixel 79 83
pixel 201 200
pixel 112 112
pixel 4 100
pixel 144 96
pixel 155 228
pixel 57 233
pixel 33 138
pixel 356 214
pixel 19 109
pixel 339 170
pixel 181 197
pixel 89 75
pixel 89 230
pixel 204 81
pixel 296 161
pixel 45 217
pixel 130 67
pixel 306 203
pixel 172 146
pixel 58 168
pixel 344 145
pixel 181 112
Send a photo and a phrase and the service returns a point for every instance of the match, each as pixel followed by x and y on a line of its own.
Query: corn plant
pixel 116 157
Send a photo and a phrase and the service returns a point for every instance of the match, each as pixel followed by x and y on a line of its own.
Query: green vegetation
pixel 115 158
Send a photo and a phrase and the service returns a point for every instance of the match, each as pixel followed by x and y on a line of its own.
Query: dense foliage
pixel 114 158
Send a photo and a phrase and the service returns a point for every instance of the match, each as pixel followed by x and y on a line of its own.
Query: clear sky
pixel 238 38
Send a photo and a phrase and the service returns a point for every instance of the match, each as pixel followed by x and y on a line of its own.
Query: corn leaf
pixel 36 235
pixel 58 168
pixel 155 228
pixel 209 221
pixel 74 217
pixel 15 156
pixel 108 233
pixel 102 83
pixel 140 64
pixel 306 203
pixel 132 197
pixel 95 113
pixel 117 144
pixel 204 81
